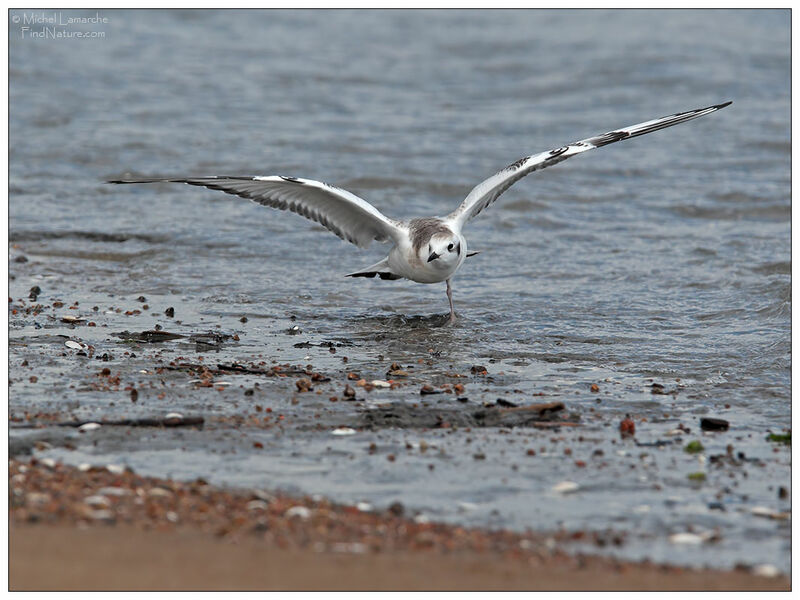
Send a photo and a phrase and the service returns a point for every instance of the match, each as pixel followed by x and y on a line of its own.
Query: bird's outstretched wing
pixel 338 210
pixel 489 190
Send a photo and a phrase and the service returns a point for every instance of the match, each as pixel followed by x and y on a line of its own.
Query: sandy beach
pixel 99 530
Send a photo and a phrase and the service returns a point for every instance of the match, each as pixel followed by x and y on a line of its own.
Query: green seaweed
pixel 781 438
pixel 693 447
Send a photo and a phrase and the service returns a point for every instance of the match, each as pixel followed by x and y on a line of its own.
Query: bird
pixel 425 250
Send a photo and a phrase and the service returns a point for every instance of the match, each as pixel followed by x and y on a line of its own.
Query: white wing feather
pixel 338 210
pixel 486 192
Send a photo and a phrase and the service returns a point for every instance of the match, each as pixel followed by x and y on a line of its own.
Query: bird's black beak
pixel 433 256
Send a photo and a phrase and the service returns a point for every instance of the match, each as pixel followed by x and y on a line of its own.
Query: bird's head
pixel 444 250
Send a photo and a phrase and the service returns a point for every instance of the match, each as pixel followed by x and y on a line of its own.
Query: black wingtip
pixel 723 105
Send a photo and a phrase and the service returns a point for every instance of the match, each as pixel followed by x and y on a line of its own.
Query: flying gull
pixel 425 250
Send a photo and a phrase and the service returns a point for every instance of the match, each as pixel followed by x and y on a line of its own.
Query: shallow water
pixel 664 259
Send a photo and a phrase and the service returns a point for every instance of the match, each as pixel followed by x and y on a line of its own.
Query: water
pixel 662 259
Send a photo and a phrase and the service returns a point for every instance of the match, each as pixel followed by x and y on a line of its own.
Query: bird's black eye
pixel 450 247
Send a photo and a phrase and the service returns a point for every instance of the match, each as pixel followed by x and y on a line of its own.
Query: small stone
pixel 627 427
pixel 86 427
pixel 691 539
pixel 712 424
pixel 257 505
pixel 343 431
pixel 114 491
pixel 170 312
pixel 97 501
pixel 766 570
pixel 566 487
pixel 298 511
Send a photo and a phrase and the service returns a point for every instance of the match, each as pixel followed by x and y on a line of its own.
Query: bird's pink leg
pixel 450 299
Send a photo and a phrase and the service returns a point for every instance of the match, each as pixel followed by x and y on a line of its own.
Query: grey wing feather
pixel 486 192
pixel 338 210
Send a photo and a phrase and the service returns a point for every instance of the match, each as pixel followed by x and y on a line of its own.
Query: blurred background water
pixel 665 257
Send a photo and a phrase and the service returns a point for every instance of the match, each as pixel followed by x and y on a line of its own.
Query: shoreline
pixel 66 524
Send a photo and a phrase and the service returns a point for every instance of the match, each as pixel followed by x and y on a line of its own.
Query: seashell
pixel 298 511
pixel 257 505
pixel 766 570
pixel 566 487
pixel 691 539
pixel 89 427
pixel 97 500
pixel 343 431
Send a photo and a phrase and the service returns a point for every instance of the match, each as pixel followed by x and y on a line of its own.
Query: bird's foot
pixel 451 319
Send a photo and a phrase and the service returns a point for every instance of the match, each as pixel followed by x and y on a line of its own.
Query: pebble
pixel 263 495
pixel 421 519
pixel 712 424
pixel 114 491
pixel 298 511
pixel 380 383
pixel 766 570
pixel 100 515
pixel 89 427
pixel 48 462
pixel 686 539
pixel 73 345
pixel 364 506
pixel 115 469
pixel 349 548
pixel 763 511
pixel 97 500
pixel 37 498
pixel 159 492
pixel 257 505
pixel 566 487
pixel 343 431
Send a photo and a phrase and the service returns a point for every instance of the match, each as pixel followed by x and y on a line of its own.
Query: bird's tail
pixel 380 269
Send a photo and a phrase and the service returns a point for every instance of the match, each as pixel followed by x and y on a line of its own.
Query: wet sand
pixel 95 529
